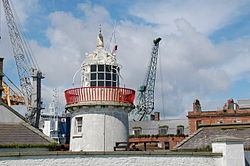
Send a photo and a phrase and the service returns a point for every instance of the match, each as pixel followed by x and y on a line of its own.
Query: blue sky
pixel 204 52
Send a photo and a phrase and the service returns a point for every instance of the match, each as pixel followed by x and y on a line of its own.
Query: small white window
pixel 78 125
pixel 137 130
pixel 237 121
pixel 180 130
pixel 163 130
pixel 219 121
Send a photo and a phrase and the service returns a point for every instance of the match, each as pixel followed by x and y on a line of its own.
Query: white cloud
pixel 24 8
pixel 238 65
pixel 192 66
pixel 206 16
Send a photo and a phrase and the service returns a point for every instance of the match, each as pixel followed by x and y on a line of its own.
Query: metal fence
pixel 85 94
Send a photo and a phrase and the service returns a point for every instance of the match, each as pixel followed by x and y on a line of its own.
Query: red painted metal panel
pixel 85 94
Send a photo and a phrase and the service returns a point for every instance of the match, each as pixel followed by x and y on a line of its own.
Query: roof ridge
pixel 188 138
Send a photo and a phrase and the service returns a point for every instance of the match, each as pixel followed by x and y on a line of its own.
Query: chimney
pixel 1 78
pixel 196 106
pixel 157 116
pixel 229 105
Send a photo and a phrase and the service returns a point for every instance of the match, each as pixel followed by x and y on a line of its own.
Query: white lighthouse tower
pixel 100 107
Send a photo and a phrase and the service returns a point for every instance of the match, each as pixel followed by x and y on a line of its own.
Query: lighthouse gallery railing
pixel 86 94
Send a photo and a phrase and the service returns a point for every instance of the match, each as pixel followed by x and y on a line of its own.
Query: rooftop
pixel 152 126
pixel 205 136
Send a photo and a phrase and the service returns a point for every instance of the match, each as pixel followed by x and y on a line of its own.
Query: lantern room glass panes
pixel 93 68
pixel 100 67
pixel 93 76
pixel 92 83
pixel 104 75
pixel 100 76
pixel 100 83
pixel 108 83
pixel 108 76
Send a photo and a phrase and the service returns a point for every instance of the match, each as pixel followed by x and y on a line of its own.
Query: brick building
pixel 231 113
pixel 158 134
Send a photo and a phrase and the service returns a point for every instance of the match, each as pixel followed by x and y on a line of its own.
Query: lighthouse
pixel 99 108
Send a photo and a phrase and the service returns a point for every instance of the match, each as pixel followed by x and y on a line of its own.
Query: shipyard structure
pixel 100 107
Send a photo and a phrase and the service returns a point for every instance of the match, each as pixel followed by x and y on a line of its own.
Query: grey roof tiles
pixel 204 136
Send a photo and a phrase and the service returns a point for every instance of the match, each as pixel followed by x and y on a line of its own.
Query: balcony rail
pixel 86 94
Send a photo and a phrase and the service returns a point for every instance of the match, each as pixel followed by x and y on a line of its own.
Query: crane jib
pixel 29 74
pixel 145 98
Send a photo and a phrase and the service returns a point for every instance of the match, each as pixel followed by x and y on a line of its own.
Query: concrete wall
pixel 102 127
pixel 226 152
pixel 232 149
pixel 116 160
pixel 7 116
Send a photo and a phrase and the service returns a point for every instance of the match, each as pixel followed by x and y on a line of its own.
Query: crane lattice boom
pixel 28 71
pixel 145 104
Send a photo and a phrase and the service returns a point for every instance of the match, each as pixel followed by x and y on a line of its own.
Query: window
pixel 236 121
pixel 114 77
pixel 93 83
pixel 78 124
pixel 100 83
pixel 219 121
pixel 198 123
pixel 180 130
pixel 163 129
pixel 166 147
pixel 108 83
pixel 93 68
pixel 114 69
pixel 108 76
pixel 104 75
pixel 100 67
pixel 100 76
pixel 137 130
pixel 108 68
pixel 93 76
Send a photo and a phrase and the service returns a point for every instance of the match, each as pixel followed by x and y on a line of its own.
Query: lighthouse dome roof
pixel 100 55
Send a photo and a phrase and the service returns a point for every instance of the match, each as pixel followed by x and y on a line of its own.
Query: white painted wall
pixel 112 160
pixel 233 153
pixel 102 127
